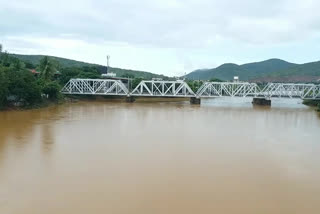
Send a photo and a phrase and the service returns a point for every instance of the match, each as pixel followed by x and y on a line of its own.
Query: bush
pixel 23 87
pixel 68 73
pixel 3 88
pixel 135 82
pixel 52 90
pixel 89 75
pixel 311 102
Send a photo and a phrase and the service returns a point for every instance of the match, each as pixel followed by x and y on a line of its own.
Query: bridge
pixel 180 88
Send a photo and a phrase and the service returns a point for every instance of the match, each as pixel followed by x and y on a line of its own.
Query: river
pixel 224 156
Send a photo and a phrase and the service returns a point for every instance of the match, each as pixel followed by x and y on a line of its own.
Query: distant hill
pixel 35 59
pixel 265 71
pixel 308 72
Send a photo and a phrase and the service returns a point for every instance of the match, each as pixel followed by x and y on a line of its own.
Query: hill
pixel 245 72
pixel 63 62
pixel 308 72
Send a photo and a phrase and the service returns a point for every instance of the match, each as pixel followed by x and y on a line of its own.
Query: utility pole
pixel 108 59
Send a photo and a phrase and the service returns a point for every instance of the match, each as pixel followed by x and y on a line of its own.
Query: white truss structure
pixel 291 90
pixel 228 89
pixel 163 89
pixel 182 89
pixel 95 87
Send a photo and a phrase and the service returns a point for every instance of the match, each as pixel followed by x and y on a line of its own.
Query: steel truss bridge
pixel 182 89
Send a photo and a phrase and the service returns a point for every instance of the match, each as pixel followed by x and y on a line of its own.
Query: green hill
pixel 308 72
pixel 35 59
pixel 245 72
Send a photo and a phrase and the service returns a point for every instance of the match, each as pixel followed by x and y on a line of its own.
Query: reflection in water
pixel 100 157
pixel 47 137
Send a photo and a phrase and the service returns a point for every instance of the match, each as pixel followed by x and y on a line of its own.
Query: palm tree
pixel 47 68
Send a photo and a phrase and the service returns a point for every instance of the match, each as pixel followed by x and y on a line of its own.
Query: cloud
pixel 165 23
pixel 187 34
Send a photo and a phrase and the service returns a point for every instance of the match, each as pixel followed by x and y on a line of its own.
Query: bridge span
pixel 179 88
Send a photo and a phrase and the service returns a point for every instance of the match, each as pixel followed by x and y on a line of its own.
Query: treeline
pixel 315 103
pixel 25 84
pixel 19 86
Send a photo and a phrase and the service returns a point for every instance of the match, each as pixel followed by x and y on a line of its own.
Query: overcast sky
pixel 168 37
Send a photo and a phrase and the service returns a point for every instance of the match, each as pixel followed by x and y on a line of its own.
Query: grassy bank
pixel 313 103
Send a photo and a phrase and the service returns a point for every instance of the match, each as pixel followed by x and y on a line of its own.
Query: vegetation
pixel 68 63
pixel 216 80
pixel 3 87
pixel 194 85
pixel 272 70
pixel 25 84
pixel 314 103
pixel 307 69
pixel 20 87
pixel 28 81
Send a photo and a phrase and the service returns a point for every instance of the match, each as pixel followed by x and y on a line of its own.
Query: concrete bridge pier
pixel 261 101
pixel 195 100
pixel 130 99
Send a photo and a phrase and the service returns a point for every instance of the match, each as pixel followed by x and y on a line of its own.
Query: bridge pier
pixel 130 99
pixel 261 101
pixel 195 101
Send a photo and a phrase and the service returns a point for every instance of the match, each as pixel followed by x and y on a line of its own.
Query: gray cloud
pixel 166 23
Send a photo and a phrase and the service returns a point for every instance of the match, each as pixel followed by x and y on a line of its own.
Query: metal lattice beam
pixel 163 89
pixel 291 90
pixel 95 87
pixel 181 89
pixel 228 89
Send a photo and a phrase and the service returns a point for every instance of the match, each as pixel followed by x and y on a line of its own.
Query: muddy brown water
pixel 224 156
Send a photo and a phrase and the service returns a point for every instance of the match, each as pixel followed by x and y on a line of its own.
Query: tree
pixel 3 87
pixel 0 49
pixel 194 85
pixel 89 75
pixel 127 75
pixel 69 73
pixel 52 90
pixel 135 82
pixel 5 59
pixel 47 68
pixel 90 69
pixel 29 65
pixel 16 64
pixel 23 86
pixel 215 80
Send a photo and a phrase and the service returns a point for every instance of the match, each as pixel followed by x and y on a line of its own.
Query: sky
pixel 170 37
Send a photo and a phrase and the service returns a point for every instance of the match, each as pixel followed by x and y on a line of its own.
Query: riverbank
pixel 43 104
pixel 313 103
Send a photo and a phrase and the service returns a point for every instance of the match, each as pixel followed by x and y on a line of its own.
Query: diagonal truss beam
pixel 182 89
pixel 228 89
pixel 95 87
pixel 163 89
pixel 290 90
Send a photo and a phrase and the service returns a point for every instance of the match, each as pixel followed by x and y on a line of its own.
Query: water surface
pixel 224 156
